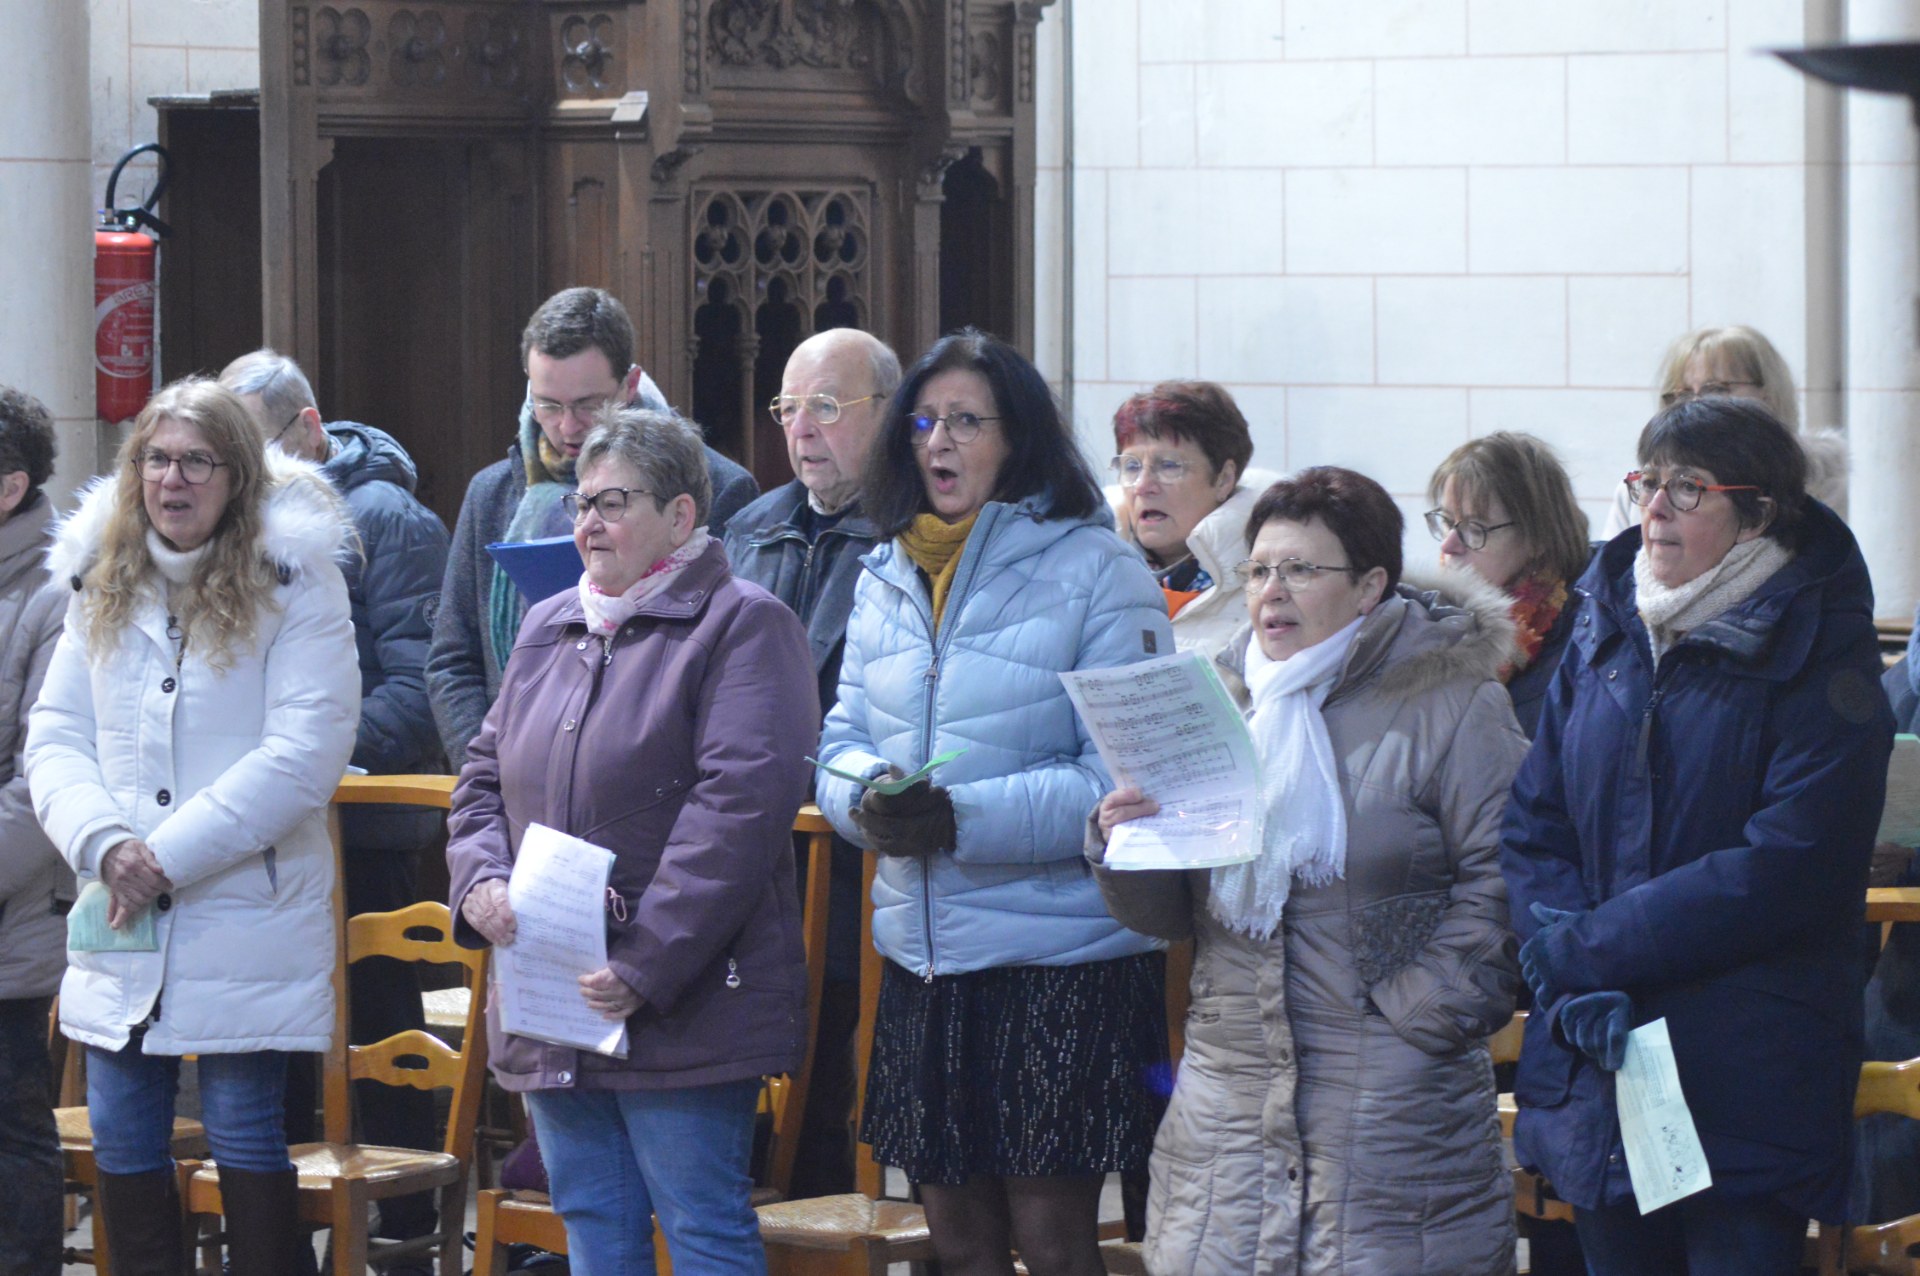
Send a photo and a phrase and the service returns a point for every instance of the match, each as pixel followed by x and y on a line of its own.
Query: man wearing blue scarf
pixel 578 354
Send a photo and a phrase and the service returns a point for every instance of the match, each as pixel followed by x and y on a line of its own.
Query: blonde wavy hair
pixel 221 605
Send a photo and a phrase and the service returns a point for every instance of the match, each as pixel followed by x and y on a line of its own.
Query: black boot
pixel 264 1236
pixel 141 1213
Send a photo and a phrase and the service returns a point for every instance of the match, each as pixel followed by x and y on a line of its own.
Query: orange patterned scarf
pixel 1537 603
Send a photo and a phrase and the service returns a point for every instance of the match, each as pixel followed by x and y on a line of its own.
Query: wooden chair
pixel 1875 1249
pixel 507 1217
pixel 339 1178
pixel 858 1233
pixel 1533 1196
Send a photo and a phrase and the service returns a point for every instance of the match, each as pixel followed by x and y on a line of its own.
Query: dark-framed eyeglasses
pixel 1704 390
pixel 609 502
pixel 962 427
pixel 1473 532
pixel 1166 470
pixel 1683 493
pixel 1296 574
pixel 281 433
pixel 195 467
pixel 823 408
pixel 581 410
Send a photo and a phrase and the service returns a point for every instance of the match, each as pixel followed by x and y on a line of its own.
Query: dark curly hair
pixel 1738 441
pixel 26 438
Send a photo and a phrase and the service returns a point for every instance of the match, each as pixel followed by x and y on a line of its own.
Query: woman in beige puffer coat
pixel 1335 1108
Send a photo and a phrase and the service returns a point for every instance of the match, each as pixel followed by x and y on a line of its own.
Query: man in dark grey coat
pixel 35 884
pixel 578 354
pixel 393 587
pixel 802 543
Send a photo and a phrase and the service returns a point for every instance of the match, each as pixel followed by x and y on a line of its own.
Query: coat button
pixel 568 726
pixel 581 645
pixel 565 1078
pixel 163 797
pixel 1293 1174
pixel 166 684
pixel 163 902
pixel 1612 674
pixel 1286 1055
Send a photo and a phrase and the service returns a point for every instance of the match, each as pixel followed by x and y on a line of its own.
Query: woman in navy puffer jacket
pixel 1689 840
pixel 1017 1019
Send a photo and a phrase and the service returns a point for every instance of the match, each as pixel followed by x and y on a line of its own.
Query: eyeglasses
pixel 281 433
pixel 195 467
pixel 1682 493
pixel 962 427
pixel 582 410
pixel 1683 394
pixel 609 502
pixel 1167 470
pixel 824 408
pixel 1296 574
pixel 1473 532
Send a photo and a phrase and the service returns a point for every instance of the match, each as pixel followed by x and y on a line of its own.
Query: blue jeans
pixel 616 1158
pixel 1703 1235
pixel 130 1099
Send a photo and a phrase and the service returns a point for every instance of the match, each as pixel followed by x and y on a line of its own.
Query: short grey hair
pixel 282 387
pixel 663 448
pixel 886 368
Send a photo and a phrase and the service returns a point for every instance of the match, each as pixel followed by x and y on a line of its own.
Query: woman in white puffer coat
pixel 197 714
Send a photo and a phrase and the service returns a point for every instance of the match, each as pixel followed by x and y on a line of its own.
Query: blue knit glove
pixel 1597 1024
pixel 1535 966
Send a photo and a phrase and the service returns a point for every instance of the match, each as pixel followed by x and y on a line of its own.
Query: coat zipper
pixel 940 641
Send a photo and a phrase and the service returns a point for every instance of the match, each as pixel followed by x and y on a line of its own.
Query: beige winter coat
pixel 1335 1110
pixel 34 881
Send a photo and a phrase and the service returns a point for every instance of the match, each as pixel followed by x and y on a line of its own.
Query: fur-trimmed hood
pixel 1429 631
pixel 304 524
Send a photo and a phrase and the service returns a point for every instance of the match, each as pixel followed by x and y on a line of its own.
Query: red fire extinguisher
pixel 123 296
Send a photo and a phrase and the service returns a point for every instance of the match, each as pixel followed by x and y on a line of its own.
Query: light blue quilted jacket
pixel 1031 598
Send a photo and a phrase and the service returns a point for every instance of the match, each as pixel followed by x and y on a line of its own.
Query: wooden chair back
pixel 1875 1249
pixel 790 1093
pixel 413 1058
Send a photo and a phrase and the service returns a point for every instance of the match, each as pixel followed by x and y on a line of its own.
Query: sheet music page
pixel 558 892
pixel 1168 728
pixel 1664 1156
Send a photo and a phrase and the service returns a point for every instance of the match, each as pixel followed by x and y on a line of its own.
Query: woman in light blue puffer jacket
pixel 1018 1021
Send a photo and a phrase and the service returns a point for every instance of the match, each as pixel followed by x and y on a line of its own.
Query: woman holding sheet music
pixel 661 711
pixel 1017 1019
pixel 1689 842
pixel 1335 1111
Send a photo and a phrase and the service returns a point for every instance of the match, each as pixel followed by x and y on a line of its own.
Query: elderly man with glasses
pixel 803 543
pixel 578 354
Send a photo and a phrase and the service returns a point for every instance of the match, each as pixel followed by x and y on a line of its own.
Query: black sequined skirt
pixel 1019 1070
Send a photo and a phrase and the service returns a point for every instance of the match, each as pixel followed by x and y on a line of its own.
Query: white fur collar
pixel 305 522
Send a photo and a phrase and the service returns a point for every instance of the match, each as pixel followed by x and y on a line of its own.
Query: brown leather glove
pixel 916 822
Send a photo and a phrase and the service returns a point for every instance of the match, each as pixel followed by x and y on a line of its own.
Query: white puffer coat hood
pixel 225 773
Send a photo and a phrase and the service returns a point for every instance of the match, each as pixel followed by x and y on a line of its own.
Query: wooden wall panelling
pixel 210 266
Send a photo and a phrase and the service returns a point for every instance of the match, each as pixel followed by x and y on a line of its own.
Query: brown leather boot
pixel 141 1214
pixel 264 1236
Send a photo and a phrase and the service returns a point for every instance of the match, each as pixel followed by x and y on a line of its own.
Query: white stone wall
pixel 148 48
pixel 46 269
pixel 1390 226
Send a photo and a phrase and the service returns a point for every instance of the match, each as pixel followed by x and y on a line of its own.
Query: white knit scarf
pixel 176 565
pixel 607 612
pixel 1669 613
pixel 1304 827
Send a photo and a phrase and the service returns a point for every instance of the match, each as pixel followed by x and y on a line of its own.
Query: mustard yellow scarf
pixel 934 545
